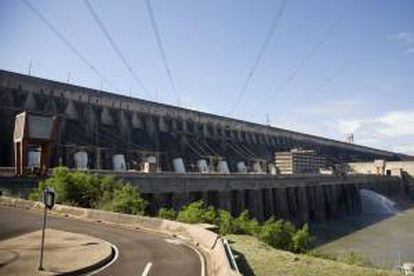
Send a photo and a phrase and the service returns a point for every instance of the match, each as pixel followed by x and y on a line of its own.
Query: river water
pixel 384 237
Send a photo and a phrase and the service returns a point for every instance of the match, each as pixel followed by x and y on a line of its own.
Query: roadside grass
pixel 258 258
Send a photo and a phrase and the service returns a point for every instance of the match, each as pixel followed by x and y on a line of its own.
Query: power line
pixel 155 28
pixel 315 93
pixel 66 41
pixel 260 54
pixel 115 47
pixel 304 61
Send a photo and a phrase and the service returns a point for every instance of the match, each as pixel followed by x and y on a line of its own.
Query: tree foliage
pixel 87 190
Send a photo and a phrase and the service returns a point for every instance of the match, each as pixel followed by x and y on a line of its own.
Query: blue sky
pixel 360 80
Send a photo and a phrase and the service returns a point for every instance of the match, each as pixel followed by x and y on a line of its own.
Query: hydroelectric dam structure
pixel 170 139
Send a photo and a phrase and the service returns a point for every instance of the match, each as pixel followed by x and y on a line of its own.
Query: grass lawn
pixel 258 258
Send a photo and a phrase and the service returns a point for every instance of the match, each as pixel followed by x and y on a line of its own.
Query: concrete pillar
pixel 292 203
pixel 303 209
pixel 225 200
pixel 268 203
pixel 320 212
pixel 136 121
pixel 106 117
pixel 124 126
pixel 211 198
pixel 70 111
pixel 280 200
pixel 235 203
pixel 162 126
pixel 256 203
pixel 179 200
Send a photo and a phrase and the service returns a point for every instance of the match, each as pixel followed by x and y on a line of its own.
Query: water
pixel 381 233
pixel 375 203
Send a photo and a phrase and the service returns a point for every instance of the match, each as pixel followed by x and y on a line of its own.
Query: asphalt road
pixel 136 248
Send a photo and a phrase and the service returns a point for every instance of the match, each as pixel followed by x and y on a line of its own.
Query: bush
pixel 225 222
pixel 167 213
pixel 82 189
pixel 192 213
pixel 196 212
pixel 302 240
pixel 278 234
pixel 127 200
pixel 244 225
pixel 210 215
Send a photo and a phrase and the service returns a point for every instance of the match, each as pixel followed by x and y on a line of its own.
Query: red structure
pixel 33 138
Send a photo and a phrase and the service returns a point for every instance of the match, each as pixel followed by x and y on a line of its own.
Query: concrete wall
pixel 108 123
pixel 296 198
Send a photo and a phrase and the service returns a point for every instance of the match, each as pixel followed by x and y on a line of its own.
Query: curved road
pixel 136 248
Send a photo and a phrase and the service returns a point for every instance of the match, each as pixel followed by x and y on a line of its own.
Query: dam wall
pixel 104 124
pixel 296 198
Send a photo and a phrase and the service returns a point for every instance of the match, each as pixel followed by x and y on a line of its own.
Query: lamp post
pixel 49 201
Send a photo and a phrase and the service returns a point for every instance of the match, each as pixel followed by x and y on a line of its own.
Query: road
pixel 136 248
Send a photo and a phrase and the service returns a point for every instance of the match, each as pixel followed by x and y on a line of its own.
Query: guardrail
pixel 230 255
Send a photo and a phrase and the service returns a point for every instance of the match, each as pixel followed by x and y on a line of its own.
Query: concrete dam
pixel 105 125
pixel 298 198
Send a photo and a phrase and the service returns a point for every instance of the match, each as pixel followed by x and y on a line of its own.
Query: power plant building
pixel 298 161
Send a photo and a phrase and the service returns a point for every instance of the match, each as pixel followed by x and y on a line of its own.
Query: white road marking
pixel 200 256
pixel 174 241
pixel 116 254
pixel 147 269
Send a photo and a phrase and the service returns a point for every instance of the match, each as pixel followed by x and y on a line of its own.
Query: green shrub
pixel 302 240
pixel 244 225
pixel 192 213
pixel 225 222
pixel 278 234
pixel 210 215
pixel 167 213
pixel 127 200
pixel 83 189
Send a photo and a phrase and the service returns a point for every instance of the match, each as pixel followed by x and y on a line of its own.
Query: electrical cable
pixel 259 56
pixel 305 60
pixel 155 28
pixel 65 41
pixel 115 47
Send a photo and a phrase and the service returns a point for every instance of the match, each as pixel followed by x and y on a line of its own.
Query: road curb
pixel 92 267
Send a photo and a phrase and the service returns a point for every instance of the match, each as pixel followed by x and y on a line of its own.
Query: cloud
pixel 409 50
pixel 406 39
pixel 393 130
pixel 408 149
pixel 397 123
pixel 391 124
pixel 348 126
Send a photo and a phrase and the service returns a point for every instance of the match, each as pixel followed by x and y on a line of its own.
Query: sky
pixel 329 68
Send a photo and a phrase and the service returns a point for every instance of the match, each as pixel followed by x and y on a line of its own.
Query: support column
pixel 268 203
pixel 256 203
pixel 225 200
pixel 179 200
